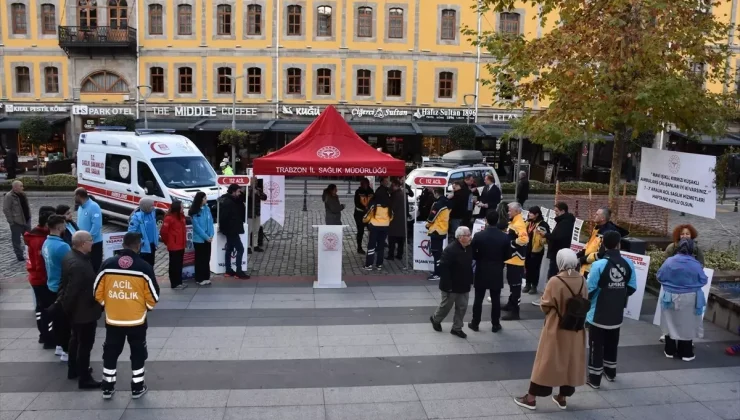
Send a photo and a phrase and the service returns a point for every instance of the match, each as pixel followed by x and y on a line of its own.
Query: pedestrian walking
pixel 522 189
pixel 680 233
pixel 560 238
pixel 537 229
pixel 397 227
pixel 70 226
pixel 682 302
pixel 127 288
pixel 456 277
pixel 81 309
pixel 378 217
pixel 90 219
pixel 36 267
pixel 594 248
pixel 254 213
pixel 437 227
pixel 491 248
pixel 332 206
pixel 459 200
pixel 363 195
pixel 203 231
pixel 18 215
pixel 174 236
pixel 53 251
pixel 560 360
pixel 231 224
pixel 517 231
pixel 611 281
pixel 144 222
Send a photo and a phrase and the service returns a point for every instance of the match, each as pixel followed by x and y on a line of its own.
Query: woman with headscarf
pixel 144 222
pixel 682 302
pixel 561 353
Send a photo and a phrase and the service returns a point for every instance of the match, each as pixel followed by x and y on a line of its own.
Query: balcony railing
pixel 98 36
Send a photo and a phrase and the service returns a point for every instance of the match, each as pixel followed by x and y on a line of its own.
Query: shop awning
pixel 289 126
pixel 383 129
pixel 14 123
pixel 219 125
pixel 727 140
pixel 179 124
pixel 441 129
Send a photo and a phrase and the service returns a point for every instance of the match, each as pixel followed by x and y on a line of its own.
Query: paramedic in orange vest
pixel 127 288
pixel 517 232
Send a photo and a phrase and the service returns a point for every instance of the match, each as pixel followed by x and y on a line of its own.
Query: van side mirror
pixel 149 187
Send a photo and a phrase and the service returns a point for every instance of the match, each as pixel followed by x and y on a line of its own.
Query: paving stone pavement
pixel 275 348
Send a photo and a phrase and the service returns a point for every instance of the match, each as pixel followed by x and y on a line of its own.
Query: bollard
pixel 305 194
pixel 349 190
pixel 735 209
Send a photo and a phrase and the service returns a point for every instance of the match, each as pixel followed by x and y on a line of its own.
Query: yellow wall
pixel 37 77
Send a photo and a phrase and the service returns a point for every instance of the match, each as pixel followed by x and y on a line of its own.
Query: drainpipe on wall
pixel 138 66
pixel 277 61
pixel 477 65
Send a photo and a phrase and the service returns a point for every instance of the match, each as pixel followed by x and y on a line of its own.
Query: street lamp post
pixel 233 114
pixel 148 92
pixel 467 105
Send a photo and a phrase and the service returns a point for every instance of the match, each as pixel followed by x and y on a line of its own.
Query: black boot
pixel 360 250
pixel 89 383
pixel 511 316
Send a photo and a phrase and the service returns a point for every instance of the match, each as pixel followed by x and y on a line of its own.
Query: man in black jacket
pixel 83 312
pixel 456 276
pixel 254 212
pixel 491 248
pixel 458 207
pixel 11 164
pixel 560 238
pixel 522 188
pixel 231 224
pixel 363 195
pixel 490 197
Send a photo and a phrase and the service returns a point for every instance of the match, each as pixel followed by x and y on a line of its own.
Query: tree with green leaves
pixel 37 132
pixel 723 171
pixel 462 136
pixel 235 139
pixel 121 120
pixel 620 67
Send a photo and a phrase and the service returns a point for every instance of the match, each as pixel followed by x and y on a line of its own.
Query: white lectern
pixel 329 257
pixel 218 252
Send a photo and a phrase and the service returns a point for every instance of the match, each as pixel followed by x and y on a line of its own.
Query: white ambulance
pixel 119 168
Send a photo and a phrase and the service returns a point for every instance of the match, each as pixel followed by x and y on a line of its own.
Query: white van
pixel 119 168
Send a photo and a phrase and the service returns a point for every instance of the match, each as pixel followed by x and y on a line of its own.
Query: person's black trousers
pixel 149 256
pixel 679 348
pixel 514 274
pixel 532 265
pixel 602 353
pixel 115 338
pixel 552 269
pixel 536 390
pixel 261 238
pixel 360 227
pixel 96 255
pixel 62 328
pixel 435 247
pixel 394 241
pixel 376 245
pixel 480 294
pixel 80 345
pixel 234 242
pixel 44 320
pixel 202 260
pixel 176 262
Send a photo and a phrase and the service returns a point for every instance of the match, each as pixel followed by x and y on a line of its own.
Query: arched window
pixel 87 13
pixel 224 80
pixel 365 22
pixel 185 82
pixel 363 82
pixel 294 81
pixel 184 19
pixel 395 23
pixel 449 25
pixel 394 83
pixel 323 82
pixel 156 79
pixel 20 23
pixel 223 16
pixel 294 20
pixel 445 84
pixel 254 80
pixel 323 27
pixel 156 26
pixel 104 82
pixel 509 23
pixel 22 79
pixel 254 19
pixel 117 14
pixel 48 19
pixel 51 79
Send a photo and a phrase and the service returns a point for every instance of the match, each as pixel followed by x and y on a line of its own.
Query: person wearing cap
pixel 226 168
pixel 144 222
pixel 231 224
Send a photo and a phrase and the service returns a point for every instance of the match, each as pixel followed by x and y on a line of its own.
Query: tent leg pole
pixel 305 194
pixel 405 230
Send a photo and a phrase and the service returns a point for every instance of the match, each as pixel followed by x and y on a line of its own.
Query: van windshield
pixel 185 171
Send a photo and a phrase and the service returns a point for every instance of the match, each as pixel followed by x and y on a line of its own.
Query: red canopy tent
pixel 329 147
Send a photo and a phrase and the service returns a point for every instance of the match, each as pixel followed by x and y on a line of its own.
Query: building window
pixel 156 75
pixel 184 19
pixel 323 82
pixel 19 19
pixel 87 13
pixel 363 82
pixel 254 80
pixel 445 84
pixel 185 80
pixel 22 80
pixel 294 20
pixel 324 24
pixel 51 79
pixel 697 73
pixel 254 19
pixel 48 19
pixel 223 17
pixel 155 19
pixel 449 25
pixel 394 83
pixel 294 81
pixel 395 23
pixel 509 23
pixel 365 22
pixel 117 13
pixel 224 80
pixel 506 87
pixel 104 82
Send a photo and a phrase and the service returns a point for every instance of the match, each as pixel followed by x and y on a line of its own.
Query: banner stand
pixel 218 245
pixel 329 272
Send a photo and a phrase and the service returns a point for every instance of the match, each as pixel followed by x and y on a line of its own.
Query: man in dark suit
pixel 491 248
pixel 490 197
pixel 522 188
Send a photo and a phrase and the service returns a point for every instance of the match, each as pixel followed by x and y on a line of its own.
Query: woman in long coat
pixel 561 354
pixel 332 206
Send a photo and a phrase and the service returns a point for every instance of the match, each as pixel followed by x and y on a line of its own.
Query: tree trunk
pixel 38 168
pixel 620 139
pixel 233 158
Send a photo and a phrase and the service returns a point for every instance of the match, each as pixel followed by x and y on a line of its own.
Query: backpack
pixel 576 308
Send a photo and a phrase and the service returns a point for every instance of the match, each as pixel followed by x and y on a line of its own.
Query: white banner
pixel 329 256
pixel 710 273
pixel 113 242
pixel 218 253
pixel 642 264
pixel 478 226
pixel 423 260
pixel 678 181
pixel 274 207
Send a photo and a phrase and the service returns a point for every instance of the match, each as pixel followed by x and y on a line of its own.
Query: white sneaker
pixel 58 351
pixel 662 338
pixel 536 302
pixel 488 298
pixel 204 283
pixel 64 357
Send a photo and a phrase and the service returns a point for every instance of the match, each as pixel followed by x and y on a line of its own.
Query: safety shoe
pixel 436 325
pixel 138 393
pixel 108 393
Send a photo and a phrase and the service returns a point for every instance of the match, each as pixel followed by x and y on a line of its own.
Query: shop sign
pixel 443 114
pixel 203 111
pixel 41 109
pixel 103 111
pixel 379 113
pixel 310 111
pixel 504 117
